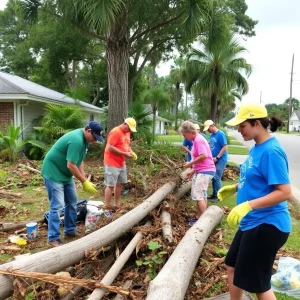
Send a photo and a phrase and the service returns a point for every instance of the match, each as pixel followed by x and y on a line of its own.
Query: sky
pixel 269 52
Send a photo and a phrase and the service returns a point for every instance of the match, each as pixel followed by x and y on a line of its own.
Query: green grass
pixel 235 142
pixel 169 138
pixel 237 150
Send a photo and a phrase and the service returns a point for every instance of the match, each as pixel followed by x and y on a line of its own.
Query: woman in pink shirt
pixel 202 163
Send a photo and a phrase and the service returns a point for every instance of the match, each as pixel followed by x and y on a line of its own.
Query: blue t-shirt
pixel 265 167
pixel 217 141
pixel 189 145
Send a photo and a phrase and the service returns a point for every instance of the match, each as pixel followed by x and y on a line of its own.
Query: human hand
pixel 134 156
pixel 190 174
pixel 238 213
pixel 226 191
pixel 188 165
pixel 89 187
pixel 128 154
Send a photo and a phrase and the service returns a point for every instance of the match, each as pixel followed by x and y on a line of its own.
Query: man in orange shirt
pixel 117 150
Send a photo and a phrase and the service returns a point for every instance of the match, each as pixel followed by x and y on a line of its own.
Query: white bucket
pixel 31 230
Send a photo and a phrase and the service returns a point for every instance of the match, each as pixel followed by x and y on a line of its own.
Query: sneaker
pixel 211 197
pixel 72 235
pixel 55 243
pixel 191 218
pixel 108 214
pixel 192 223
pixel 215 200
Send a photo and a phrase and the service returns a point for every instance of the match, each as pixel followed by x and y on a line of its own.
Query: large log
pixel 172 281
pixel 118 265
pixel 59 258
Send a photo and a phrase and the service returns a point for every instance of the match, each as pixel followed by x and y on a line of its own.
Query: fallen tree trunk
pixel 165 216
pixel 4 227
pixel 57 259
pixel 173 279
pixel 118 265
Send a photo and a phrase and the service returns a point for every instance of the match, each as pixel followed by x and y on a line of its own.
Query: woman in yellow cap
pixel 262 211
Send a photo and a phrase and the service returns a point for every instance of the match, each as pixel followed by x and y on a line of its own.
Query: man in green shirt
pixel 63 162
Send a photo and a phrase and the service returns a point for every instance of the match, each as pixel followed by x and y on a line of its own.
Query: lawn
pixel 237 150
pixel 169 138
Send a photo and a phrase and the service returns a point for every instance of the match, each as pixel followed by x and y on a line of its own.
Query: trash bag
pixel 287 278
pixel 93 214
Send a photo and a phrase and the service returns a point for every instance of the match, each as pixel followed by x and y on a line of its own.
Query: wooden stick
pixel 60 280
pixel 11 194
pixel 118 265
pixel 29 168
pixel 4 227
pixel 126 285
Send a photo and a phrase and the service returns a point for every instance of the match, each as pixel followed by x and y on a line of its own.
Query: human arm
pixel 186 149
pixel 281 193
pixel 115 150
pixel 196 160
pixel 80 175
pixel 190 174
pixel 221 152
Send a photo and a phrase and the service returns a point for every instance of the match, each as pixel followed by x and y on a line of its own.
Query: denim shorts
pixel 114 175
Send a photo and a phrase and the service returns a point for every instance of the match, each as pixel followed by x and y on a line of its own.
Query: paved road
pixel 291 145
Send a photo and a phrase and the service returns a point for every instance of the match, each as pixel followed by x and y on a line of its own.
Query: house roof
pixel 297 112
pixel 11 85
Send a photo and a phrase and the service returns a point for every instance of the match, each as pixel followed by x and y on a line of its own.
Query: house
pixel 161 124
pixel 23 101
pixel 295 121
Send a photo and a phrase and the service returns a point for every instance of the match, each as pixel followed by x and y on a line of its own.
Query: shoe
pixel 72 235
pixel 192 223
pixel 55 243
pixel 215 200
pixel 191 218
pixel 211 197
pixel 108 214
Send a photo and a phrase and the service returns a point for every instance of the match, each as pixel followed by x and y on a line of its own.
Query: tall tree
pixel 217 69
pixel 158 99
pixel 130 28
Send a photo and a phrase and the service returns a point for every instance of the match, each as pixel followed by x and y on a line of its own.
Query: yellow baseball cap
pixel 248 111
pixel 207 123
pixel 131 124
pixel 196 126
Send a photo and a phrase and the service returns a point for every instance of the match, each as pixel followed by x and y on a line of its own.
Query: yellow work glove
pixel 238 213
pixel 134 156
pixel 89 187
pixel 226 191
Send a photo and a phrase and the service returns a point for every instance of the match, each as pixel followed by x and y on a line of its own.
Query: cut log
pixel 59 258
pixel 173 279
pixel 4 227
pixel 165 219
pixel 118 265
pixel 30 168
pixel 165 216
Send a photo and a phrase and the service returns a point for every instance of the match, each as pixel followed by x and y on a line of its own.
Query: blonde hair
pixel 187 126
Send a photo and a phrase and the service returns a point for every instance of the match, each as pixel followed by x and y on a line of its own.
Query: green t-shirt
pixel 70 147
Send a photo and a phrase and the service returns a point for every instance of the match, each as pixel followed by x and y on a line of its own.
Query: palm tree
pixel 177 75
pixel 217 69
pixel 158 99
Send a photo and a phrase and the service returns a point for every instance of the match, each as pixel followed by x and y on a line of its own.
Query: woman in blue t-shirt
pixel 261 212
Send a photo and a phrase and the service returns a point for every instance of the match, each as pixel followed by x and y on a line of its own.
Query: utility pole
pixel 290 100
pixel 260 97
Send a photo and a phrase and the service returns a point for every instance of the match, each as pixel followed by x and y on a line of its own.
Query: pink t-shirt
pixel 201 146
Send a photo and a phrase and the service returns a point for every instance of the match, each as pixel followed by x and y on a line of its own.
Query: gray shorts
pixel 113 175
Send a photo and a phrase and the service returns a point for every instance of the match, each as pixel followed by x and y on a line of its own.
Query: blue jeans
pixel 61 195
pixel 217 180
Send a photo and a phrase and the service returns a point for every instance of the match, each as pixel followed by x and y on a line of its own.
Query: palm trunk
pixel 117 50
pixel 213 106
pixel 177 102
pixel 154 121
